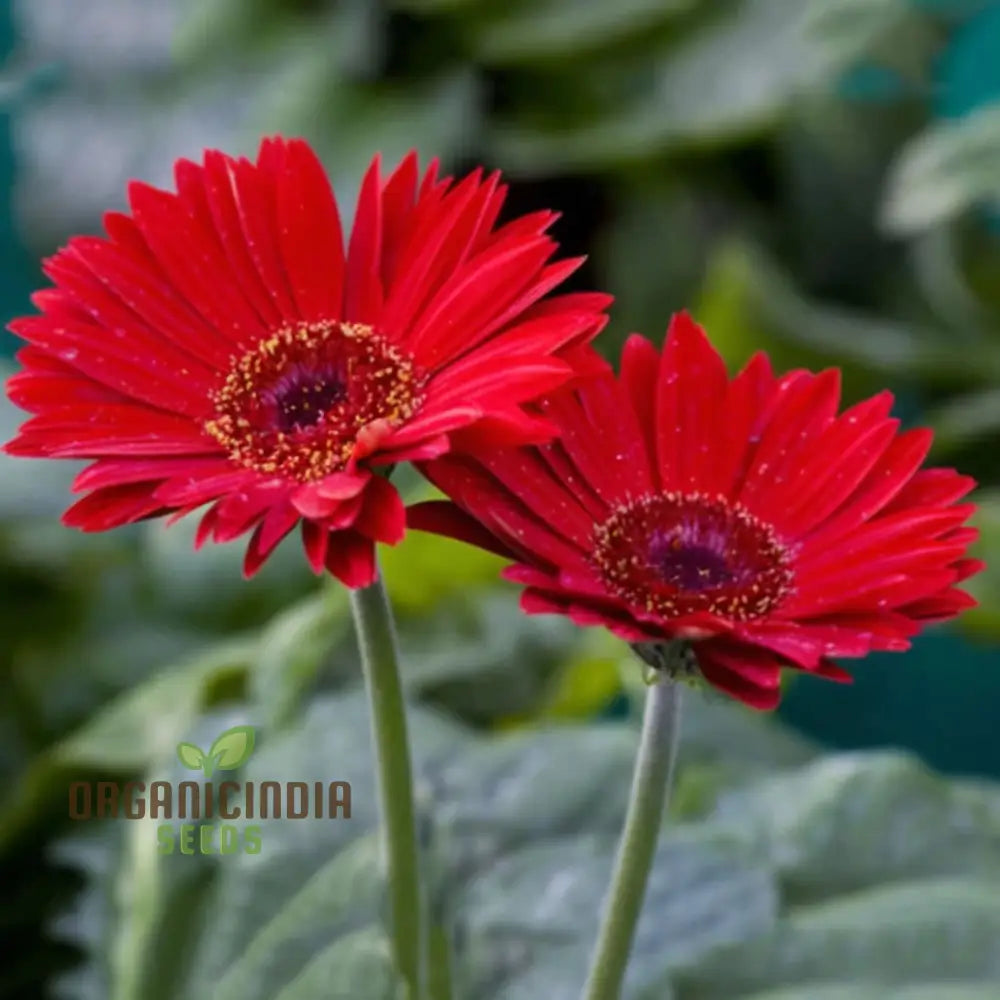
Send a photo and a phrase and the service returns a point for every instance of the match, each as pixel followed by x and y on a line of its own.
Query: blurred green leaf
pixel 749 303
pixel 717 731
pixel 863 866
pixel 345 890
pixel 484 636
pixel 206 20
pixel 557 29
pixel 649 286
pixel 532 917
pixel 268 34
pixel 985 586
pixel 207 586
pixel 424 571
pixel 96 850
pixel 881 991
pixel 855 820
pixel 438 6
pixel 356 967
pixel 67 682
pixel 847 30
pixel 256 924
pixel 912 933
pixel 145 723
pixel 886 36
pixel 585 686
pixel 948 168
pixel 125 736
pixel 295 648
pixel 348 122
pixel 965 418
pixel 727 80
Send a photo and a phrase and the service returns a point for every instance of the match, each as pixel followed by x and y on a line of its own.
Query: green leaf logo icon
pixel 230 749
pixel 190 756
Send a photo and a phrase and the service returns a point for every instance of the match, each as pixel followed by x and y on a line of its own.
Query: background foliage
pixel 818 179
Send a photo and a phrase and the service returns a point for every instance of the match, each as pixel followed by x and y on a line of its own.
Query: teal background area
pixel 910 701
pixel 16 273
pixel 967 74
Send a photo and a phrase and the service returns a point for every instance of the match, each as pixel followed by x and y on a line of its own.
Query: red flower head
pixel 220 347
pixel 744 516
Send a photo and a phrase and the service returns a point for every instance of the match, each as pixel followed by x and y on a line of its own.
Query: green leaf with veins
pixel 851 866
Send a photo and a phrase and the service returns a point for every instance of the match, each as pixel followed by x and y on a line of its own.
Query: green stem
pixel 377 641
pixel 650 790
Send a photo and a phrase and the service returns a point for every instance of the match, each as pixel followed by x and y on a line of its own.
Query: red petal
pixel 639 367
pixel 583 445
pixel 37 392
pixel 521 307
pixel 76 432
pixel 142 373
pixel 692 382
pixel 275 526
pixel 747 673
pixel 528 478
pixel 569 475
pixel 485 286
pixel 429 423
pixel 382 517
pixel 441 517
pixel 885 480
pixel 932 487
pixel 501 513
pixel 806 410
pixel 254 192
pixel 117 471
pixel 221 197
pixel 746 398
pixel 351 559
pixel 842 458
pixel 500 429
pixel 363 287
pixel 194 262
pixel 424 263
pixel 317 500
pixel 312 243
pixel 113 507
pixel 941 606
pixel 398 197
pixel 423 451
pixel 316 541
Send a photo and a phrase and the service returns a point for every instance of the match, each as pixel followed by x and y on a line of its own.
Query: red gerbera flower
pixel 220 347
pixel 743 516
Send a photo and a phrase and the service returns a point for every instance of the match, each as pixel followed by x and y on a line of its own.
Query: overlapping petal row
pixel 224 347
pixel 747 515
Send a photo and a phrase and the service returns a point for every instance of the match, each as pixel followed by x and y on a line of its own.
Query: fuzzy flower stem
pixel 650 791
pixel 377 641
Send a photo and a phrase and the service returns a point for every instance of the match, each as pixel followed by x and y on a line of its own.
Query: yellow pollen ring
pixel 761 574
pixel 378 382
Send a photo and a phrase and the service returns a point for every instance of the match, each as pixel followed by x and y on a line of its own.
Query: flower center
pixel 677 554
pixel 302 397
pixel 294 405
